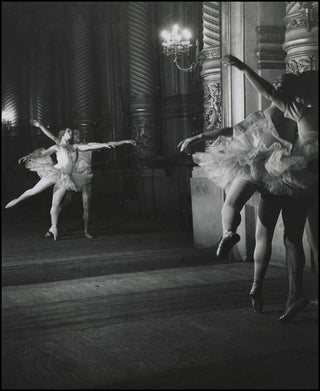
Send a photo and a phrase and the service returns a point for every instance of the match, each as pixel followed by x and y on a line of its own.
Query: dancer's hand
pixel 233 61
pixel 129 142
pixel 23 159
pixel 35 123
pixel 184 144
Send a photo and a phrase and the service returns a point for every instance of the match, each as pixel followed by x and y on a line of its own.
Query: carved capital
pixel 302 64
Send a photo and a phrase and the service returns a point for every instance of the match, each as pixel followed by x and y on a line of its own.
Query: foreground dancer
pixel 301 165
pixel 59 174
pixel 241 160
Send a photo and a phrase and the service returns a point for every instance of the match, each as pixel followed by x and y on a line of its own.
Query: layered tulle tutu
pixel 258 154
pixel 44 167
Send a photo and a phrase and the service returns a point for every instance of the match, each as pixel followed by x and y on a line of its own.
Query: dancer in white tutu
pixel 281 168
pixel 242 160
pixel 60 174
pixel 82 174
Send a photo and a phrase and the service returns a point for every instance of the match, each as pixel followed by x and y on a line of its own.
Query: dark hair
pixel 308 85
pixel 287 83
pixel 61 133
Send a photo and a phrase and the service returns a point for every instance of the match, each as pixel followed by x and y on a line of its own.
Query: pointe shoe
pixel 11 203
pixel 227 241
pixel 52 232
pixel 297 306
pixel 256 298
pixel 89 236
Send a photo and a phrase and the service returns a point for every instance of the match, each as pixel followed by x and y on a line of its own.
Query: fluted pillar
pixel 301 36
pixel 141 78
pixel 82 71
pixel 42 69
pixel 10 87
pixel 211 68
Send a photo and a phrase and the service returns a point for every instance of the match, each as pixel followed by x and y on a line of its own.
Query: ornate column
pixel 301 36
pixel 82 71
pixel 10 87
pixel 141 78
pixel 207 198
pixel 211 68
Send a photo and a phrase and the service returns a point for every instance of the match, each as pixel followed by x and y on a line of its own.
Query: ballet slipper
pixel 52 232
pixel 228 240
pixel 11 203
pixel 256 297
pixel 87 235
pixel 297 306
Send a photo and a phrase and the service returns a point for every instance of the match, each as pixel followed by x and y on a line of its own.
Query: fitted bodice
pixel 66 157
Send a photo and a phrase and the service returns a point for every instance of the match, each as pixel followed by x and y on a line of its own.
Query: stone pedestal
pixel 207 201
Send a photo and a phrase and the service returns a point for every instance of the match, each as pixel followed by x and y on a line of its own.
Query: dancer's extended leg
pixel 238 194
pixel 86 202
pixel 294 216
pixel 38 188
pixel 268 212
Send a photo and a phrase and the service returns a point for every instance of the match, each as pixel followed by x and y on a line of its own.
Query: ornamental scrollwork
pixel 302 64
pixel 143 131
pixel 212 105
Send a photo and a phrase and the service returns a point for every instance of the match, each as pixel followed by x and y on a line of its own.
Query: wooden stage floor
pixel 145 310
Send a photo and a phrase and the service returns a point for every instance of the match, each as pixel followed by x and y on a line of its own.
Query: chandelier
pixel 177 43
pixel 6 119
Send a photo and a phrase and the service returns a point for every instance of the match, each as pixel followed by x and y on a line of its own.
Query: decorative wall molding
pixel 269 53
pixel 270 34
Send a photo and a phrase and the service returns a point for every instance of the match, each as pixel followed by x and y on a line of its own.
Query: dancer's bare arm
pixel 45 131
pixel 264 88
pixel 209 135
pixel 34 155
pixel 97 146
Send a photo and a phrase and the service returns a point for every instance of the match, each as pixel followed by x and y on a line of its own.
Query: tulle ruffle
pixel 44 167
pixel 258 154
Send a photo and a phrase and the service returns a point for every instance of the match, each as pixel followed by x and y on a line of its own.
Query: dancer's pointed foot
pixel 87 235
pixel 228 240
pixel 256 297
pixel 297 306
pixel 52 232
pixel 11 203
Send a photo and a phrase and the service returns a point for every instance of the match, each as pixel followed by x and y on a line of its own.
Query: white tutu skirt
pixel 44 167
pixel 259 155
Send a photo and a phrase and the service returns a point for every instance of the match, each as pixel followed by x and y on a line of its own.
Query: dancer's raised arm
pixel 265 88
pixel 209 135
pixel 45 131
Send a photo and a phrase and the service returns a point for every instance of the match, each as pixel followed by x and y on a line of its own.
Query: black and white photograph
pixel 159 195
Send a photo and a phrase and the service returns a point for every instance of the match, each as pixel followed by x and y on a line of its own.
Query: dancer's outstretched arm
pixel 209 135
pixel 37 154
pixel 97 146
pixel 265 88
pixel 45 131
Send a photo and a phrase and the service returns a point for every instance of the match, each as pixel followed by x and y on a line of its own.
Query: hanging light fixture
pixel 177 43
